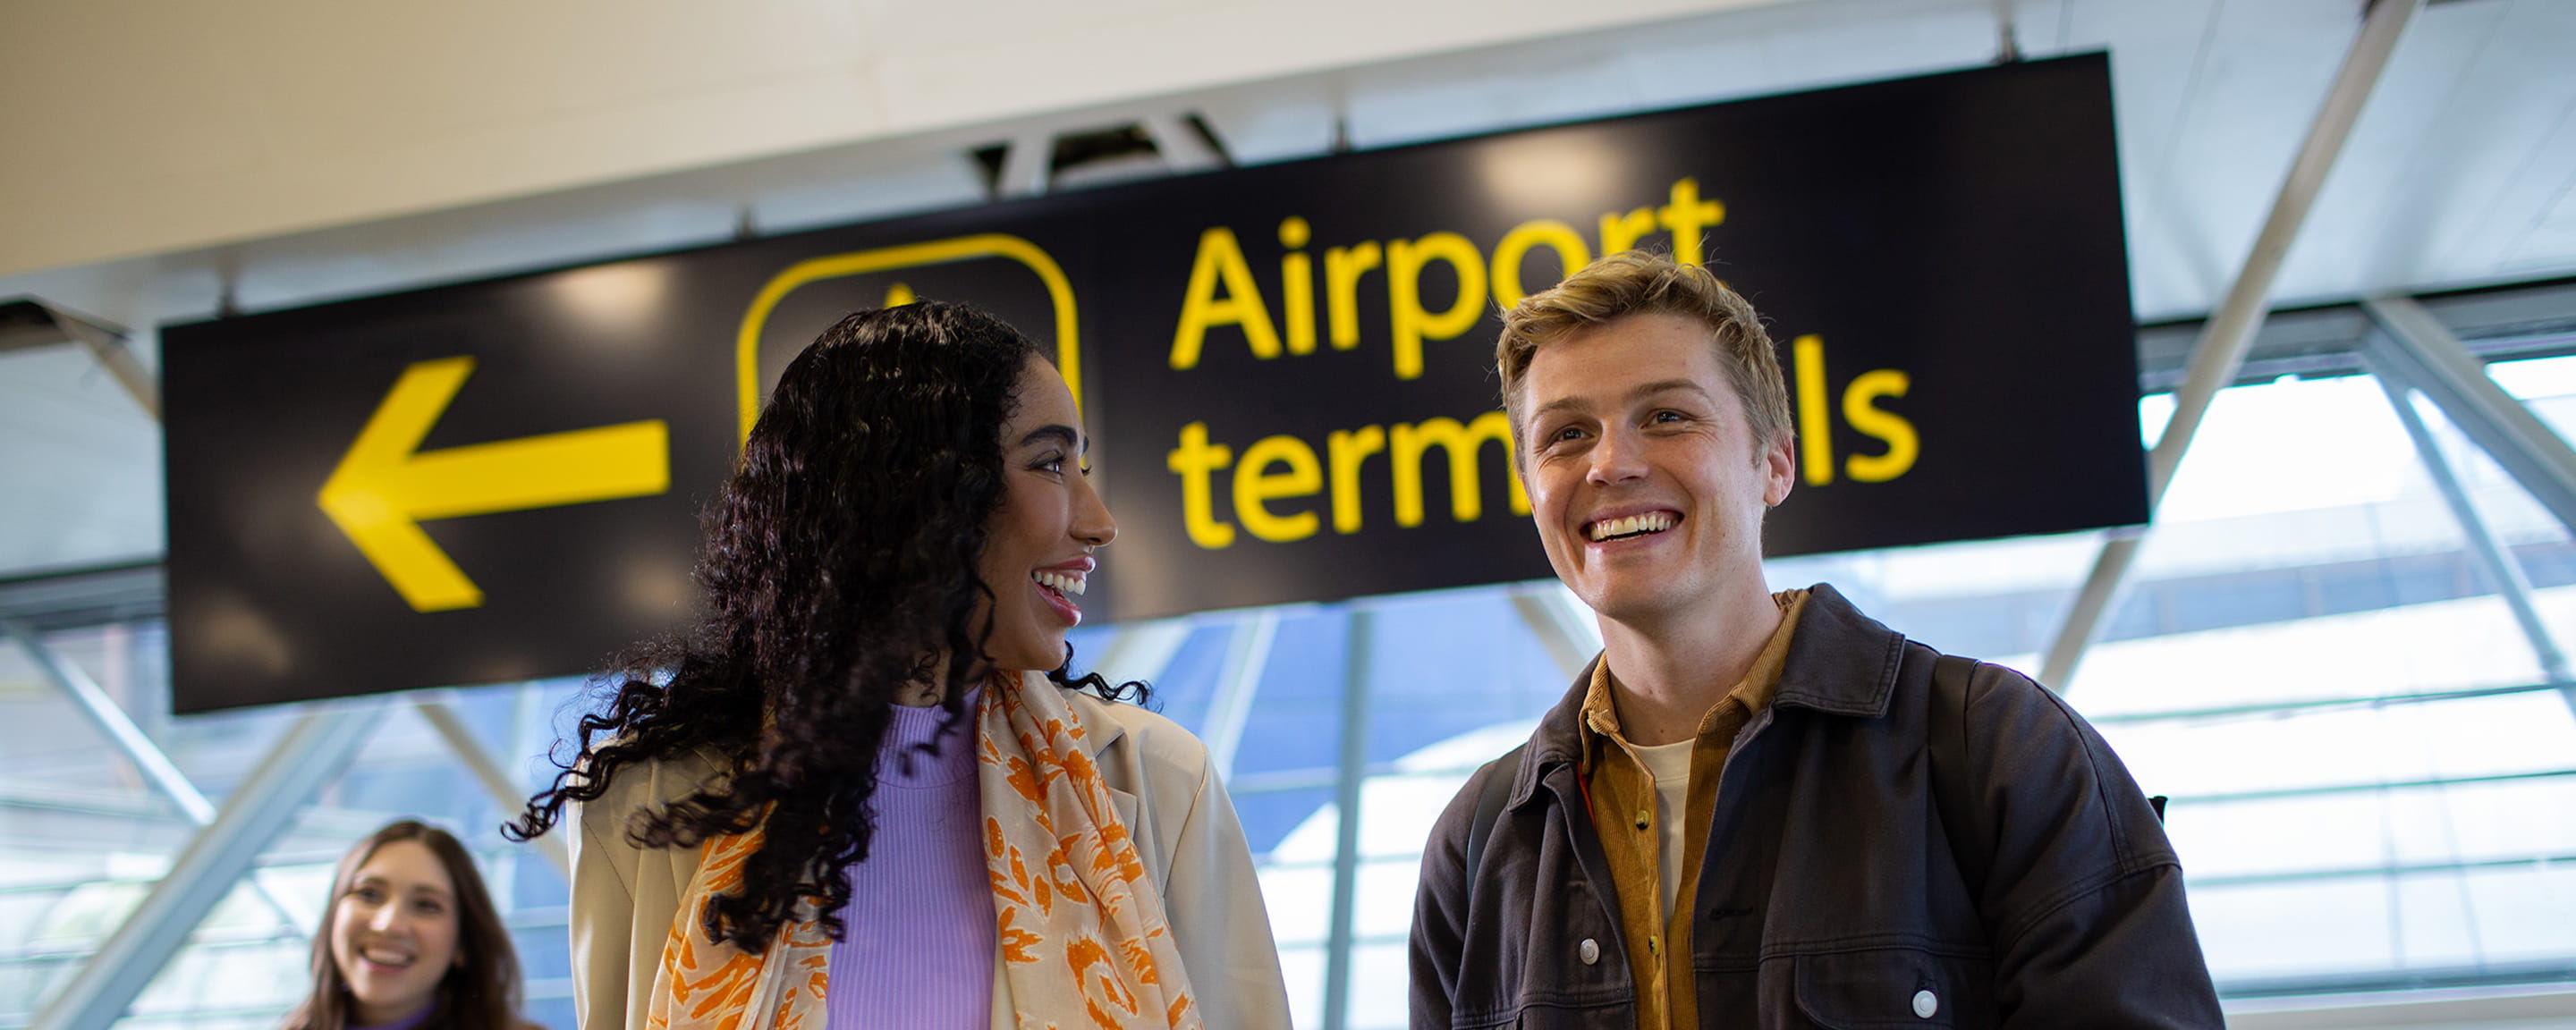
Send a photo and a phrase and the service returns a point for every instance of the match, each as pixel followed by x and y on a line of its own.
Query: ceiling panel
pixel 2460 110
pixel 2252 90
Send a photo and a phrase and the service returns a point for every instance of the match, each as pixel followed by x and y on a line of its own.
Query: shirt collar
pixel 1600 720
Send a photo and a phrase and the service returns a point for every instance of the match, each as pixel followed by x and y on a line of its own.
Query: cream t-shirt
pixel 1670 765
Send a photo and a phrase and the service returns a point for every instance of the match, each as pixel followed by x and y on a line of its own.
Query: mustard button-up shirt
pixel 1623 813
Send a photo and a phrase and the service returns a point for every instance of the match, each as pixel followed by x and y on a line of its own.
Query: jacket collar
pixel 1841 662
pixel 1099 728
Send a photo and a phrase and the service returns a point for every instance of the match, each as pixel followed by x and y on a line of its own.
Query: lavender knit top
pixel 405 1023
pixel 918 952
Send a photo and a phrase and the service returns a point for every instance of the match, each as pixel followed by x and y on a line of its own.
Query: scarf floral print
pixel 1084 941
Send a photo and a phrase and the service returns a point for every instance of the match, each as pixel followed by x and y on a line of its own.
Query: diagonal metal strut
pixel 137 747
pixel 2426 355
pixel 310 755
pixel 2220 351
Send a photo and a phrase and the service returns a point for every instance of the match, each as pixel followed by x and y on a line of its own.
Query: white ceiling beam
pixel 2428 357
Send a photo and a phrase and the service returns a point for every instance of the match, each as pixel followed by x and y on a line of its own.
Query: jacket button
pixel 1641 818
pixel 1925 1004
pixel 1591 953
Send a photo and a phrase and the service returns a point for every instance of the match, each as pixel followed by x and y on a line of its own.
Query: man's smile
pixel 1621 527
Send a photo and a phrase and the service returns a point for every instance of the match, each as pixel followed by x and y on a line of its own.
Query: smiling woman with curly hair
pixel 847 796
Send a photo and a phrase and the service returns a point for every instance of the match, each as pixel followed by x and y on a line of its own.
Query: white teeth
pixel 1060 582
pixel 1651 522
pixel 384 959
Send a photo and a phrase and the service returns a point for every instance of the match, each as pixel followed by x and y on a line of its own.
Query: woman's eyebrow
pixel 1061 433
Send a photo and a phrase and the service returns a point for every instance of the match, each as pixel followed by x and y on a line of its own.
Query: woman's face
pixel 1037 548
pixel 393 933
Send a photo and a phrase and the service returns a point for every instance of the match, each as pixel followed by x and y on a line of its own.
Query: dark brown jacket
pixel 1832 895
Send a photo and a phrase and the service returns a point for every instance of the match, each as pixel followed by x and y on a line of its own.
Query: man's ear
pixel 1779 470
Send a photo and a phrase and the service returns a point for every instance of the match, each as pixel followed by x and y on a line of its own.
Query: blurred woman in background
pixel 410 940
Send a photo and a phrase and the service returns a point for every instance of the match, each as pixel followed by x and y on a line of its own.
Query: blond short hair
pixel 1639 282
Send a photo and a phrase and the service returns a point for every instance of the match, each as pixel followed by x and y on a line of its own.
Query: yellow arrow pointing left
pixel 385 487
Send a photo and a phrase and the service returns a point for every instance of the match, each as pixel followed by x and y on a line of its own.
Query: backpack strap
pixel 1971 845
pixel 1489 806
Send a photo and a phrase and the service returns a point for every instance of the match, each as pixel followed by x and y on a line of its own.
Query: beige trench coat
pixel 624 897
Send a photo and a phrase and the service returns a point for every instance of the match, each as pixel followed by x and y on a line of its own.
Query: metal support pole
pixel 137 747
pixel 114 354
pixel 1028 166
pixel 33 322
pixel 312 754
pixel 2104 588
pixel 496 782
pixel 1561 625
pixel 2429 358
pixel 2499 564
pixel 1247 652
pixel 111 720
pixel 1346 804
pixel 2220 352
pixel 1180 145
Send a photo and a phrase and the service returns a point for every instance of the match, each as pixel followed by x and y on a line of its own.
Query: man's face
pixel 1644 480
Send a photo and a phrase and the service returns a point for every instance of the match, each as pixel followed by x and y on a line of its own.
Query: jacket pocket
pixel 1895 987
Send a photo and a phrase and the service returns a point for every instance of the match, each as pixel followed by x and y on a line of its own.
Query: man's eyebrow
pixel 1664 385
pixel 1634 395
pixel 1063 434
pixel 1559 404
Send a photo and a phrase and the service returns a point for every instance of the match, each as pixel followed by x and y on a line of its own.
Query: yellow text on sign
pixel 1223 291
pixel 1860 410
pixel 1337 473
pixel 386 486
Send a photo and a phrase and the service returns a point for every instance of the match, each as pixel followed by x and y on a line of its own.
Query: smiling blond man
pixel 1761 809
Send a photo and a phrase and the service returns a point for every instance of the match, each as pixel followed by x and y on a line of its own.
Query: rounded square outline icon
pixel 1068 346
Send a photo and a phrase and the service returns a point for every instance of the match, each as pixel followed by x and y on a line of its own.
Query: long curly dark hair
pixel 840 565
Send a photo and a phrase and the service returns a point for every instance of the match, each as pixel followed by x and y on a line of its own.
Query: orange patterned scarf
pixel 1084 942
